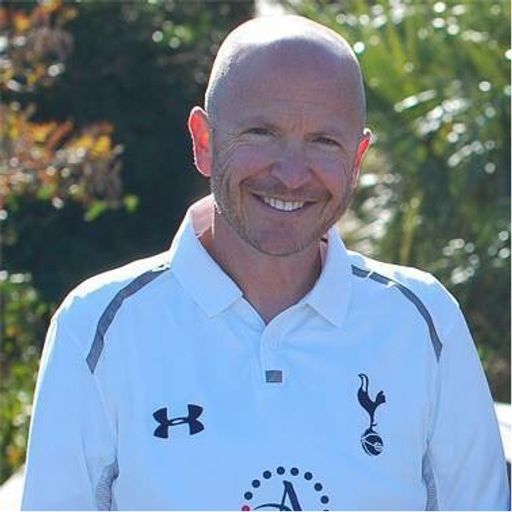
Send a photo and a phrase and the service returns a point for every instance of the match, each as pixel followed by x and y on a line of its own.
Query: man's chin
pixel 279 247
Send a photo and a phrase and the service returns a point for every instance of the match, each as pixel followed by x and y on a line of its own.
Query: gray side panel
pixel 104 498
pixel 430 484
pixel 110 312
pixel 423 311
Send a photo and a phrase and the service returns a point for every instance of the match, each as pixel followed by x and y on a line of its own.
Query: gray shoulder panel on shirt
pixel 110 312
pixel 411 296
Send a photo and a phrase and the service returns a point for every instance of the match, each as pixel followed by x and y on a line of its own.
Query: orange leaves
pixel 102 147
pixel 21 22
pixel 3 17
pixel 95 140
pixel 35 45
pixel 49 160
pixel 57 134
pixel 53 162
pixel 40 132
pixel 49 6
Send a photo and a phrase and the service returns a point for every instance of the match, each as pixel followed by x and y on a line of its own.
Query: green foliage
pixel 435 191
pixel 140 66
pixel 49 160
pixel 24 320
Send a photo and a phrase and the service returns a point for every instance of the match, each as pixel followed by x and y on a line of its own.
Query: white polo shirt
pixel 162 388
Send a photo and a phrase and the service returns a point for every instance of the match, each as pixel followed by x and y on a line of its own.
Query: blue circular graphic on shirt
pixel 285 489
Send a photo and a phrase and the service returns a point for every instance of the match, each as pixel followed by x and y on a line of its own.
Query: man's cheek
pixel 248 160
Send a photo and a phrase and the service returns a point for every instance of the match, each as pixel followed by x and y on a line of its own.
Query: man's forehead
pixel 302 71
pixel 284 62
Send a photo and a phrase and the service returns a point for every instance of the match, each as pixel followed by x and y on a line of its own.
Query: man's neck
pixel 270 283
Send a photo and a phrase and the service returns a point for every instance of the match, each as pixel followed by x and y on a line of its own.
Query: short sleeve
pixel 465 463
pixel 71 460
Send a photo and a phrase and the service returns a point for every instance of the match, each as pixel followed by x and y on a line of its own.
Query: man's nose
pixel 291 168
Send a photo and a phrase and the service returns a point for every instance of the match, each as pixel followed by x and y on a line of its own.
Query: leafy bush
pixel 24 319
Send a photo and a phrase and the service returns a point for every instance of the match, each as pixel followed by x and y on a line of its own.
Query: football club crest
pixel 370 440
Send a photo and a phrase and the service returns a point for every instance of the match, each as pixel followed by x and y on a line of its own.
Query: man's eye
pixel 326 141
pixel 259 130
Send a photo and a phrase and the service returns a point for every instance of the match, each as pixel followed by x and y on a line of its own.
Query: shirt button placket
pixel 273 374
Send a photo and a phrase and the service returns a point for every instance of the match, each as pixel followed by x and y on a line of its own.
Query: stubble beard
pixel 219 187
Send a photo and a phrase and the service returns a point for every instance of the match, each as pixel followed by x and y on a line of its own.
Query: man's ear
pixel 362 148
pixel 200 131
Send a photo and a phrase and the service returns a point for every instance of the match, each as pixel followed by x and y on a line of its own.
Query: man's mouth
pixel 283 206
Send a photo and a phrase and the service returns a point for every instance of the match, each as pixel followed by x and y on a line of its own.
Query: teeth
pixel 285 206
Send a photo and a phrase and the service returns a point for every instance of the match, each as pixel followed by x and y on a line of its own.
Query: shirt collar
pixel 211 288
pixel 330 295
pixel 214 291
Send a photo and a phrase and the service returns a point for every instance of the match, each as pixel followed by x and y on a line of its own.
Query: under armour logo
pixel 164 423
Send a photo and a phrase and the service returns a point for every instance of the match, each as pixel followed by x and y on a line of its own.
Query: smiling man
pixel 258 364
pixel 282 141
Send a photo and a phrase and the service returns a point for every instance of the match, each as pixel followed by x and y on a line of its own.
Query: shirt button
pixel 274 376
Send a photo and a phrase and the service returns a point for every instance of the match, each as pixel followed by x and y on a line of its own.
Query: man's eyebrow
pixel 262 121
pixel 331 131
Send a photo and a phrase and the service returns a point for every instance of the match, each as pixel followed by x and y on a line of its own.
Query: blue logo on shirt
pixel 370 440
pixel 277 490
pixel 165 423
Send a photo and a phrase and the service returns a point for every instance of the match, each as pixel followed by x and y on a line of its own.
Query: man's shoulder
pixel 419 287
pixel 408 276
pixel 89 299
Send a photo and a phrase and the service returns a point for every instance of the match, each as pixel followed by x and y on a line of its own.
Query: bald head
pixel 283 42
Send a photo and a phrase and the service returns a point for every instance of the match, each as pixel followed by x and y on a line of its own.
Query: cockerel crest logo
pixel 370 440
